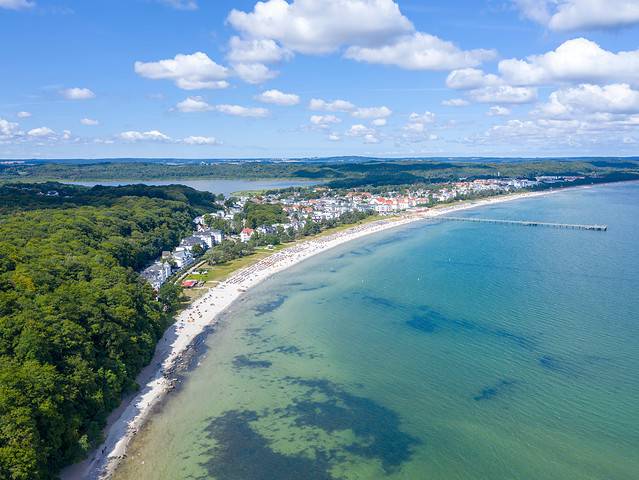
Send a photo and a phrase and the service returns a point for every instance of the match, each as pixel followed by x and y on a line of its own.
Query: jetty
pixel 528 223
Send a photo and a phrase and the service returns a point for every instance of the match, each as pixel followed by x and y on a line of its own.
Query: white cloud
pixel 197 140
pixel 563 15
pixel 331 106
pixel 8 129
pixel 372 112
pixel 578 60
pixel 277 97
pixel 468 78
pixel 41 132
pixel 23 114
pixel 379 122
pixel 181 4
pixel 426 117
pixel 359 130
pixel 240 111
pixel 591 99
pixel 504 94
pixel 254 73
pixel 334 137
pixel 189 72
pixel 256 51
pixel 89 122
pixel 312 27
pixel 150 136
pixel 193 104
pixel 324 121
pixel 455 102
pixel 420 51
pixel 371 138
pixel 16 4
pixel 77 93
pixel 497 111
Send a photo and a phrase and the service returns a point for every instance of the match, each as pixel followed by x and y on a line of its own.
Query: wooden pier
pixel 529 223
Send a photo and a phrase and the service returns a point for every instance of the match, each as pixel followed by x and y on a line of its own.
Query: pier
pixel 529 223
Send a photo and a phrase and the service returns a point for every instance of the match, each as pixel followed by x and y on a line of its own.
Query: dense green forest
pixel 76 321
pixel 337 174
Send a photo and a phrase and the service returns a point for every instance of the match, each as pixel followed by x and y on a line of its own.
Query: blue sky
pixel 290 78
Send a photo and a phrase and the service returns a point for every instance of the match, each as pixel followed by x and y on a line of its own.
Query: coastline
pixel 192 323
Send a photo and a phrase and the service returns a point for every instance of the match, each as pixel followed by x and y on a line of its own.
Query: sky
pixel 312 78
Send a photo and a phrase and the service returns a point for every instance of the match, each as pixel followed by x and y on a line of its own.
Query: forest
pixel 335 173
pixel 77 323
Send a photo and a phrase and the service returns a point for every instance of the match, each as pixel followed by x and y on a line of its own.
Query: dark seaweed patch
pixel 244 454
pixel 268 307
pixel 380 301
pixel 429 320
pixel 244 361
pixel 376 427
pixel 490 392
pixel 554 364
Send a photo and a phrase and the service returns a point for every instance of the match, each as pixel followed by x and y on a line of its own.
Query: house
pixel 182 257
pixel 210 237
pixel 157 274
pixel 189 283
pixel 246 234
pixel 189 242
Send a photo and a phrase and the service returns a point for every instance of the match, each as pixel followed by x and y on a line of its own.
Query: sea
pixel 438 350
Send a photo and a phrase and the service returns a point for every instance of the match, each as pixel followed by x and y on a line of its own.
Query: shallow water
pixel 437 350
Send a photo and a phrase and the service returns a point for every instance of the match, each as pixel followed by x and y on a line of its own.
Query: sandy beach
pixel 155 380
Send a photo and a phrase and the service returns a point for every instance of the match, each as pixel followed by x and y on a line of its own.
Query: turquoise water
pixel 435 351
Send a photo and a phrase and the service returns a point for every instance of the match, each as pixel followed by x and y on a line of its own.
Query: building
pixel 246 234
pixel 157 274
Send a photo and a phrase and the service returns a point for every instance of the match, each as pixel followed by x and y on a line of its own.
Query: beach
pixel 156 379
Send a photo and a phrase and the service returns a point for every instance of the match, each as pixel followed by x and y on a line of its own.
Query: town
pixel 279 216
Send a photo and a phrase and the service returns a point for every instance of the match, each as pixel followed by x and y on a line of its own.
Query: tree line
pixel 77 323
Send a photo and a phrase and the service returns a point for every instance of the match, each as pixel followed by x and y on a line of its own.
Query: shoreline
pixel 156 379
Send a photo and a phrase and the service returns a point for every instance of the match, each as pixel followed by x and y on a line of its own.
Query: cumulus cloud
pixel 254 73
pixel 240 111
pixel 468 78
pixel 197 140
pixel 504 94
pixel 589 99
pixel 89 122
pixel 578 60
pixel 259 50
pixel 41 132
pixel 372 112
pixel 150 136
pixel 359 130
pixel 497 111
pixel 77 93
pixel 455 102
pixel 277 97
pixel 331 106
pixel 379 122
pixel 8 129
pixel 312 27
pixel 324 121
pixel 23 114
pixel 193 104
pixel 189 72
pixel 420 51
pixel 16 4
pixel 563 15
pixel 334 137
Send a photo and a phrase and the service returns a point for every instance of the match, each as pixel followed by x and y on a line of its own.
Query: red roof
pixel 189 283
pixel 248 231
